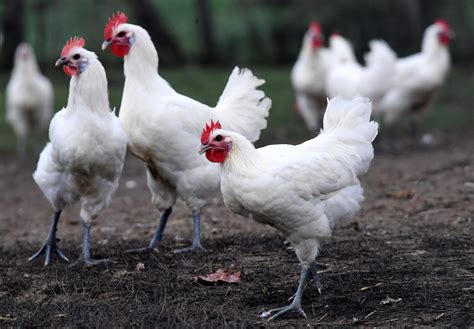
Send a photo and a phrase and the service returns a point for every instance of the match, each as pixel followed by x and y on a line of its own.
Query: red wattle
pixel 70 71
pixel 316 43
pixel 444 38
pixel 216 155
pixel 119 50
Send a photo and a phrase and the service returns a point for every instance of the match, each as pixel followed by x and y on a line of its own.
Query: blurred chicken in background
pixel 417 78
pixel 29 98
pixel 308 78
pixel 348 78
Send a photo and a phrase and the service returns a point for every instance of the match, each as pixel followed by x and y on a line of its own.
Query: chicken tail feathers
pixel 347 124
pixel 242 107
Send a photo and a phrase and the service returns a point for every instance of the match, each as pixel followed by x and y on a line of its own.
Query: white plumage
pixel 164 126
pixel 85 156
pixel 301 190
pixel 349 79
pixel 29 97
pixel 418 77
pixel 308 78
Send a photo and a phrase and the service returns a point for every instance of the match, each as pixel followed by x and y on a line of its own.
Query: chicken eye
pixel 121 34
pixel 218 138
pixel 76 56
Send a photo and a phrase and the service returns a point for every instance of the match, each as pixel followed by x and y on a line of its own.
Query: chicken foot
pixel 196 246
pixel 86 258
pixel 307 272
pixel 156 239
pixel 50 244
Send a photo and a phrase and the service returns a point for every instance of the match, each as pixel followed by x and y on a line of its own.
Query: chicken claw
pixel 48 248
pixel 194 248
pixel 50 245
pixel 90 262
pixel 293 307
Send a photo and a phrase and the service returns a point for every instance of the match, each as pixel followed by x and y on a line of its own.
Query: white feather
pixel 349 79
pixel 164 126
pixel 84 158
pixel 308 78
pixel 416 79
pixel 29 95
pixel 303 190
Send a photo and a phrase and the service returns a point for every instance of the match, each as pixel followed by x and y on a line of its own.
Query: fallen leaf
pixel 219 276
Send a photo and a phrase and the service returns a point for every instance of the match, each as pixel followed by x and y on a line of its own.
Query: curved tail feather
pixel 350 132
pixel 242 107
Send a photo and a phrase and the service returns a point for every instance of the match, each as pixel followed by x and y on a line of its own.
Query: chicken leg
pixel 307 271
pixel 196 245
pixel 86 258
pixel 21 145
pixel 155 241
pixel 50 244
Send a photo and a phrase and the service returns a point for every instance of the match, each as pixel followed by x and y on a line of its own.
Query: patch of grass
pixel 452 109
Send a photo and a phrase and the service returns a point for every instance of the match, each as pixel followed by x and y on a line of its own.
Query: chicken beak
pixel 105 44
pixel 61 62
pixel 204 148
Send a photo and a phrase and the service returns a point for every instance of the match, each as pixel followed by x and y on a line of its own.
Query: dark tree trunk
pixel 208 49
pixel 12 30
pixel 150 19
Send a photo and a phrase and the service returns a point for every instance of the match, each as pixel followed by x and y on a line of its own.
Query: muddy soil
pixel 406 259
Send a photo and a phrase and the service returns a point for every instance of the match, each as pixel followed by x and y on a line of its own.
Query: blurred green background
pixel 199 42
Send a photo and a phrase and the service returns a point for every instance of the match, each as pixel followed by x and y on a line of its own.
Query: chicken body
pixel 418 77
pixel 308 78
pixel 85 156
pixel 302 190
pixel 163 127
pixel 29 98
pixel 349 79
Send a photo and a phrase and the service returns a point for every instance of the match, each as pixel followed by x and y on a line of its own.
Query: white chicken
pixel 301 190
pixel 84 159
pixel 418 77
pixel 308 78
pixel 349 79
pixel 163 125
pixel 29 98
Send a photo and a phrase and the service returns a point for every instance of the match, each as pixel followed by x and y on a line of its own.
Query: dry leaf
pixel 219 276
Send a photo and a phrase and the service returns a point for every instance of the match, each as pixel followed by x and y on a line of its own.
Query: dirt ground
pixel 412 242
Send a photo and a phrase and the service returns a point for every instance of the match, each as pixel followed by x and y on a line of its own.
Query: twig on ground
pixel 368 287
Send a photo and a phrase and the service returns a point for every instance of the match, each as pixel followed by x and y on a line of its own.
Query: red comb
pixel 335 34
pixel 315 27
pixel 114 21
pixel 206 132
pixel 443 23
pixel 72 43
